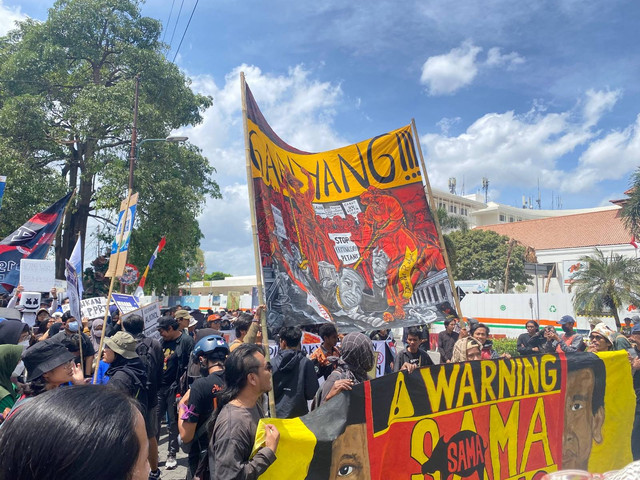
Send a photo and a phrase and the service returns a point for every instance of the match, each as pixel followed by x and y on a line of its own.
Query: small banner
pixel 346 236
pixel 120 244
pixel 3 183
pixel 125 303
pixel 72 290
pixel 507 419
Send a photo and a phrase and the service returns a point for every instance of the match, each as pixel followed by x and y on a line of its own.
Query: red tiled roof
pixel 570 231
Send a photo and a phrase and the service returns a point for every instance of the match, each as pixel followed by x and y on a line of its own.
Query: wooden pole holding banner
pixel 256 240
pixel 113 280
pixel 436 221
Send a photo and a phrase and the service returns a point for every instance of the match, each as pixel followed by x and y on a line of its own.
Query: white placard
pixel 93 307
pixel 346 249
pixel 352 207
pixel 150 314
pixel 37 275
pixel 279 222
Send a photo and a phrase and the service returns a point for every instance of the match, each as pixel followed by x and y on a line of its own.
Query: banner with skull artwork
pixel 345 235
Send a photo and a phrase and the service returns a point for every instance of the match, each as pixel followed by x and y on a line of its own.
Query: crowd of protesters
pixel 209 392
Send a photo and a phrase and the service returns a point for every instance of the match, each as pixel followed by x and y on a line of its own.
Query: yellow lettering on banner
pixel 531 375
pixel 504 436
pixel 446 386
pixel 549 377
pixel 410 258
pixel 420 430
pixel 385 161
pixel 533 436
pixel 489 371
pixel 467 387
pixel 507 377
pixel 401 407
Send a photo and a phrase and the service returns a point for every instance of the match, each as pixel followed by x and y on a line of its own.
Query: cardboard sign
pixel 150 314
pixel 93 307
pixel 30 301
pixel 125 303
pixel 37 275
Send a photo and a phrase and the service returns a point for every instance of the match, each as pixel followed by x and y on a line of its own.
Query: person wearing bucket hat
pixel 183 317
pixel 49 364
pixel 600 339
pixel 126 371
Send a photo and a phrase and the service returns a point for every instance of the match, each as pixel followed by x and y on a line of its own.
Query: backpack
pixel 154 371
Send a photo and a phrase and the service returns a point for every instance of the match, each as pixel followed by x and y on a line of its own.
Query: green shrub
pixel 506 345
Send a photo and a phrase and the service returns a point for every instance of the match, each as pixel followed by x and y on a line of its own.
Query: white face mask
pixel 24 343
pixel 18 370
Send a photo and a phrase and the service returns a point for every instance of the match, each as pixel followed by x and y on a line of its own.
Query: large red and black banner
pixel 32 240
pixel 346 235
pixel 507 419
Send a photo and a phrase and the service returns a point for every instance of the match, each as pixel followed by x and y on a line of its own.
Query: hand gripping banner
pixel 507 419
pixel 346 235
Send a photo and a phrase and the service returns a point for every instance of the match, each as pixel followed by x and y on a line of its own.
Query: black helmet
pixel 209 345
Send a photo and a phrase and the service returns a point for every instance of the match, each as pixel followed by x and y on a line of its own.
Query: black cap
pixel 43 357
pixel 165 322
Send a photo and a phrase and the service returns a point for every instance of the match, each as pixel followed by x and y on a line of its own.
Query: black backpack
pixel 154 371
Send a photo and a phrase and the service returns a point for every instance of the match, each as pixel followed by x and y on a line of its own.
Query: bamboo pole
pixel 113 281
pixel 256 240
pixel 436 221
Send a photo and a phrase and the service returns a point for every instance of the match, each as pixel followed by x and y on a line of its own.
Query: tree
pixel 482 254
pixel 631 207
pixel 66 104
pixel 606 284
pixel 216 276
pixel 451 222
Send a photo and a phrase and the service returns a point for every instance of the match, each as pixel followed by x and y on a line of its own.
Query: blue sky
pixel 510 90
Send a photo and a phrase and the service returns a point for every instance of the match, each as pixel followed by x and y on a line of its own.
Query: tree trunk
pixel 616 317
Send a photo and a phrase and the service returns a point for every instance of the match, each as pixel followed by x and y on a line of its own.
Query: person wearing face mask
pixel 71 334
pixel 16 339
pixel 198 403
pixel 571 341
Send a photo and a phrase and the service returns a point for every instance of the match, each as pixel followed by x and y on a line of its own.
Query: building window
pixel 455 209
pixel 503 218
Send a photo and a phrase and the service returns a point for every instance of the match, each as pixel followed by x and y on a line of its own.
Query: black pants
pixel 167 405
pixel 635 437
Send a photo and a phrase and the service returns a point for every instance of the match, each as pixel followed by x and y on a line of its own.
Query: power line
pixel 164 34
pixel 175 25
pixel 185 31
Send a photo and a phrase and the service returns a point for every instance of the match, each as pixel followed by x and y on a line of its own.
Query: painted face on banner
pixel 350 458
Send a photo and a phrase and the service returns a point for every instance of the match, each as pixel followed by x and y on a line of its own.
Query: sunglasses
pixel 596 337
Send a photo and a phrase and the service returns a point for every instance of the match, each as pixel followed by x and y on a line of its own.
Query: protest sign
pixel 120 243
pixel 30 301
pixel 3 182
pixel 150 314
pixel 233 300
pixel 37 275
pixel 506 419
pixel 72 290
pixel 345 235
pixel 125 303
pixel 93 307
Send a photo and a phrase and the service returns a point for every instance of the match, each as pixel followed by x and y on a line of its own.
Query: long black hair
pixel 46 438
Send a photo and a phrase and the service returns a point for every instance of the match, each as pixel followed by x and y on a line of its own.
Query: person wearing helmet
pixel 199 402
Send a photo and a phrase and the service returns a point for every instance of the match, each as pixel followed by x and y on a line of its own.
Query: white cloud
pixel 8 17
pixel 299 108
pixel 518 149
pixel 611 157
pixel 495 58
pixel 446 74
pixel 446 123
pixel 599 102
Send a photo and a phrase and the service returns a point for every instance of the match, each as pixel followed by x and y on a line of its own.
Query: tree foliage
pixel 606 284
pixel 66 106
pixel 482 255
pixel 449 223
pixel 631 208
pixel 216 276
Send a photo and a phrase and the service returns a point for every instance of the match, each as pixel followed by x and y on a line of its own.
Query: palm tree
pixel 449 223
pixel 631 207
pixel 607 283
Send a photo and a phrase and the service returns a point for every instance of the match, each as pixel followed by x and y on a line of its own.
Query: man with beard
pixel 571 341
pixel 584 409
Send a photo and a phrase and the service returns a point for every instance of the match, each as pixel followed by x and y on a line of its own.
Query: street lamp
pixel 169 139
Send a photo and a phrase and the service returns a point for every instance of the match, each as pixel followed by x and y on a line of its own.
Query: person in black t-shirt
pixel 176 346
pixel 199 402
pixel 412 357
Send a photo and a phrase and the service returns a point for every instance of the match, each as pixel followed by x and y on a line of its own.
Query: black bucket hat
pixel 43 357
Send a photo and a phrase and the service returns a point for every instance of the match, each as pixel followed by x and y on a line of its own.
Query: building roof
pixel 571 231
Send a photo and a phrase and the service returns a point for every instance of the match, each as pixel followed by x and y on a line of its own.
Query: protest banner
pixel 125 303
pixel 72 290
pixel 120 243
pixel 3 182
pixel 345 235
pixel 93 307
pixel 150 314
pixel 37 275
pixel 32 240
pixel 507 419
